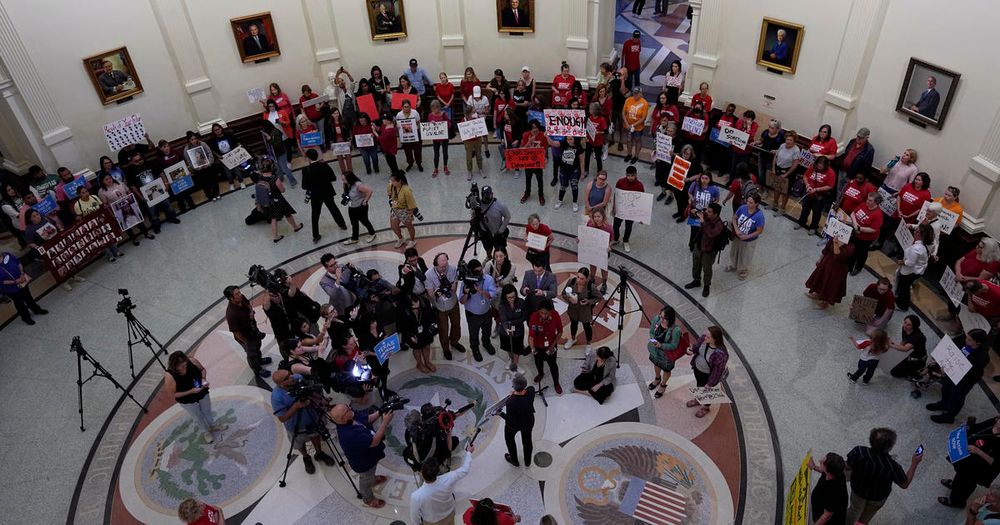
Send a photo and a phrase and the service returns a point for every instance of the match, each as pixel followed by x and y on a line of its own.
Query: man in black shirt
pixel 239 317
pixel 873 472
pixel 619 88
pixel 317 180
pixel 280 316
pixel 829 497
pixel 520 417
pixel 137 175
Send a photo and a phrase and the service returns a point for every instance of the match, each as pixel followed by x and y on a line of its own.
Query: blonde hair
pixel 302 121
pixel 913 154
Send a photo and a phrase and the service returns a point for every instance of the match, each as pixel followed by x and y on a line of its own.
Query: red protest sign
pixel 525 158
pixel 76 246
pixel 398 98
pixel 366 103
pixel 678 172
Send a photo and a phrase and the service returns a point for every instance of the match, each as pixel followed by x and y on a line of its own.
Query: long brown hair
pixel 176 359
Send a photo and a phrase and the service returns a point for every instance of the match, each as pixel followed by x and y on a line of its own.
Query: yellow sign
pixel 797 502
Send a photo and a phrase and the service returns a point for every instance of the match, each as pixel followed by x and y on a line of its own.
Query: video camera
pixel 466 276
pixel 269 281
pixel 393 404
pixel 125 305
pixel 305 389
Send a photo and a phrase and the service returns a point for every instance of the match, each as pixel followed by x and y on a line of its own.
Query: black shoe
pixel 704 291
pixel 511 460
pixel 41 311
pixel 941 418
pixel 263 373
pixel 553 183
pixel 487 153
pixel 628 158
pixel 156 231
pixel 420 168
pixel 476 355
pixel 174 220
pixel 692 284
pixel 28 320
pixel 307 462
pixel 996 378
pixel 409 167
pixel 934 406
pixel 266 360
pixel 447 355
pixel 317 238
pixel 490 349
pixel 852 378
pixel 661 196
pixel 458 347
pixel 325 458
pixel 634 160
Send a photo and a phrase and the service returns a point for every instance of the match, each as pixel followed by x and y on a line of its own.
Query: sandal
pixel 278 239
pixel 299 228
pixel 743 275
pixel 702 412
pixel 654 384
pixel 375 503
pixel 660 391
pixel 692 403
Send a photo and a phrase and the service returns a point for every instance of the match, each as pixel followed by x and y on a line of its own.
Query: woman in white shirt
pixel 674 81
pixel 900 171
pixel 786 161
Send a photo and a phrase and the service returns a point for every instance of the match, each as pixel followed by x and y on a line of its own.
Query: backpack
pixel 262 193
pixel 682 347
pixel 721 240
pixel 748 187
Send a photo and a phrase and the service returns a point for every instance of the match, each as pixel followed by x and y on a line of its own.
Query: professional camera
pixel 466 276
pixel 393 404
pixel 474 199
pixel 352 382
pixel 260 276
pixel 125 305
pixel 305 389
pixel 417 214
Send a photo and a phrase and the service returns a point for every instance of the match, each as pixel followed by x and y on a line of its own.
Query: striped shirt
pixel 872 474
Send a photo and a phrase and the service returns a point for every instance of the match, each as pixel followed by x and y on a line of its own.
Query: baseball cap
pixel 636 90
pixel 413 61
pixel 636 34
pixel 526 68
pixel 487 189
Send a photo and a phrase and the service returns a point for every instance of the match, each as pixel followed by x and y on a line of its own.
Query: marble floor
pixel 664 39
pixel 793 354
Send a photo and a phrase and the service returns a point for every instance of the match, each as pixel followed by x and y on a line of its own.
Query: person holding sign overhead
pixel 953 394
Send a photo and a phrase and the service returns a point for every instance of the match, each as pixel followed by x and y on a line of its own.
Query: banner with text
pixel 797 502
pixel 678 172
pixel 77 245
pixel 525 158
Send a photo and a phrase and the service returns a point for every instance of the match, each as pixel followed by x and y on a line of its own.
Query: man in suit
pixel 256 43
pixel 514 16
pixel 929 99
pixel 111 79
pixel 317 179
pixel 538 285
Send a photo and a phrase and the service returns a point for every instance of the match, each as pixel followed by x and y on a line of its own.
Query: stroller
pixel 925 377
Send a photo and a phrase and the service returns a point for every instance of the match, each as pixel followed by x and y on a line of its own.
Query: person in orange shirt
pixel 634 113
pixel 949 201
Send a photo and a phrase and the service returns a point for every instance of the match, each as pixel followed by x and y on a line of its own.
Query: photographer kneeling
pixel 363 447
pixel 300 418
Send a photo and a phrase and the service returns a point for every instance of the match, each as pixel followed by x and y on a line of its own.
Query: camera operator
pixel 477 297
pixel 297 304
pixel 363 447
pixel 412 273
pixel 434 502
pixel 240 318
pixel 495 216
pixel 418 326
pixel 442 285
pixel 300 418
pixel 335 283
pixel 537 286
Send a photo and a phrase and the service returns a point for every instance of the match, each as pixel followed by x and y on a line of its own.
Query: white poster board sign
pixel 155 192
pixel 903 236
pixel 536 241
pixel 664 147
pixel 408 130
pixel 434 130
pixel 593 246
pixel 565 122
pixel 256 94
pixel 125 132
pixel 952 361
pixel 707 395
pixel 474 128
pixel 341 148
pixel 838 230
pixel 694 126
pixel 951 287
pixel 634 206
pixel 364 140
pixel 947 218
pixel 313 101
pixel 735 137
pixel 236 157
pixel 888 202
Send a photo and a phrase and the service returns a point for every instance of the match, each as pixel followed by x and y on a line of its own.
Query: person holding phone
pixel 873 473
pixel 186 381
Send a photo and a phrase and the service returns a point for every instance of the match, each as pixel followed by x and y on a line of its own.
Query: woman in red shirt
pixel 748 125
pixel 437 115
pixel 855 193
pixel 484 513
pixel 562 87
pixel 981 263
pixel 280 98
pixel 603 98
pixel 595 142
pixel 820 181
pixel 719 153
pixel 369 154
pixel 340 132
pixel 664 110
pixel 469 81
pixel 536 226
pixel 579 94
pixel 545 329
pixel 533 138
pixel 194 512
pixel 867 222
pixel 445 93
pixel 387 138
pixel 912 197
pixel 314 113
pixel 823 144
pixel 703 97
pixel 697 141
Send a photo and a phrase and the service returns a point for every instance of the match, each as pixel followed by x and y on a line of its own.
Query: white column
pixel 39 112
pixel 979 187
pixel 595 52
pixel 864 23
pixel 175 23
pixel 703 46
pixel 577 42
pixel 17 150
pixel 326 47
pixel 453 61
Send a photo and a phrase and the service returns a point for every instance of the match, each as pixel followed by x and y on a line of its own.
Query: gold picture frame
pixel 387 19
pixel 515 16
pixel 121 82
pixel 779 45
pixel 260 46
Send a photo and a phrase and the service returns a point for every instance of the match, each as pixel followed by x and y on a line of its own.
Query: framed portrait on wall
pixel 927 92
pixel 515 16
pixel 779 45
pixel 113 75
pixel 387 19
pixel 255 37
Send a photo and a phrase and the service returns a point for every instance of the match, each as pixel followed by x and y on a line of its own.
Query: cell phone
pixel 920 450
pixel 652 340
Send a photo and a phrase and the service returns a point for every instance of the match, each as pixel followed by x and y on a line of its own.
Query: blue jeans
pixel 866 367
pixel 633 77
pixel 284 170
pixel 369 155
pixel 201 412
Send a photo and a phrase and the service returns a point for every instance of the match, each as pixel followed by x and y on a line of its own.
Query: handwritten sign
pixel 694 126
pixel 434 130
pixel 737 138
pixel 525 158
pixel 365 140
pixel 888 202
pixel 593 246
pixel 836 229
pixel 664 147
pixel 634 206
pixel 537 241
pixel 256 94
pixel 46 206
pixel 408 130
pixel 903 236
pixel 387 347
pixel 236 157
pixel 951 287
pixel 678 172
pixel 77 245
pixel 709 395
pixel 971 320
pixel 341 148
pixel 951 360
pixel 862 309
pixel 399 98
pixel 316 100
pixel 179 178
pixel 797 502
pixel 958 444
pixel 947 218
pixel 565 122
pixel 155 192
pixel 471 129
pixel 312 138
pixel 125 132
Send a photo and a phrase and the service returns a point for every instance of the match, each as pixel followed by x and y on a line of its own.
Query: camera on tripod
pixel 269 281
pixel 125 305
pixel 474 203
pixel 305 389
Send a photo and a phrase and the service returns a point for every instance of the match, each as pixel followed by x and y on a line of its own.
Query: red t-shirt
pixel 312 112
pixel 910 201
pixel 339 131
pixel 543 334
pixel 987 303
pixel 668 113
pixel 536 141
pixel 828 147
pixel 542 229
pixel 725 120
pixel 855 195
pixel 624 184
pixel 606 106
pixel 465 87
pixel 631 50
pixel 971 266
pixel 750 130
pixel 502 517
pixel 445 91
pixel 814 179
pixel 706 101
pixel 283 103
pixel 387 140
pixel 210 516
pixel 886 301
pixel 500 104
pixel 561 89
pixel 869 219
pixel 600 126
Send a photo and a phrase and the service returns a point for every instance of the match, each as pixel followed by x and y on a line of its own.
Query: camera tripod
pixel 99 371
pixel 620 291
pixel 324 434
pixel 138 333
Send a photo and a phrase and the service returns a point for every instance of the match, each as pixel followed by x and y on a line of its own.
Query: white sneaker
pixel 370 239
pixel 558 205
pixel 628 249
pixel 576 208
pixel 231 188
pixel 242 185
pixel 568 344
pixel 589 348
pixel 349 242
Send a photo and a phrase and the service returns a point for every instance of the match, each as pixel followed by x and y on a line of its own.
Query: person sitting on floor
pixel 597 376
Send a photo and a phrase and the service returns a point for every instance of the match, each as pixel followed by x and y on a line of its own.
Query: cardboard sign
pixel 537 241
pixel 951 360
pixel 408 130
pixel 737 138
pixel 591 130
pixel 398 98
pixel 678 172
pixel 593 246
pixel 634 206
pixel 312 138
pixel 717 137
pixel 71 188
pixel 951 287
pixel 365 140
pixel 862 309
pixel 366 105
pixel 127 212
pixel 179 178
pixel 46 206
pixel 434 130
pixel 125 132
pixel 525 158
pixel 317 100
pixel 797 502
pixel 341 148
pixel 709 395
pixel 387 347
pixel 565 122
pixel 947 218
pixel 888 202
pixel 903 236
pixel 77 245
pixel 958 444
pixel 155 192
pixel 694 126
pixel 256 95
pixel 236 157
pixel 835 229
pixel 664 147
pixel 474 128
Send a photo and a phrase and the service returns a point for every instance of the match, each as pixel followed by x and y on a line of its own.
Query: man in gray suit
pixel 538 285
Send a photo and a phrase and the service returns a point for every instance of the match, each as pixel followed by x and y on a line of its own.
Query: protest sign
pixel 408 130
pixel 806 158
pixel 315 100
pixel 341 148
pixel 972 320
pixel 434 130
pixel 256 95
pixel 951 360
pixel 903 236
pixel 709 395
pixel 593 246
pixel 694 126
pixel 236 157
pixel 797 502
pixel 125 132
pixel 77 245
pixel 664 147
pixel 71 188
pixel 717 137
pixel 536 241
pixel 591 130
pixel 951 287
pixel 387 347
pixel 364 140
pixel 525 158
pixel 836 229
pixel 735 137
pixel 888 202
pixel 536 116
pixel 862 309
pixel 958 444
pixel 179 178
pixel 366 105
pixel 312 138
pixel 127 212
pixel 46 206
pixel 565 122
pixel 634 206
pixel 947 218
pixel 398 98
pixel 678 172
pixel 474 128
pixel 154 192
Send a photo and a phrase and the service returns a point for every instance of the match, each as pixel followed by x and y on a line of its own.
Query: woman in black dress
pixel 511 324
pixel 418 326
pixel 915 343
pixel 271 201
